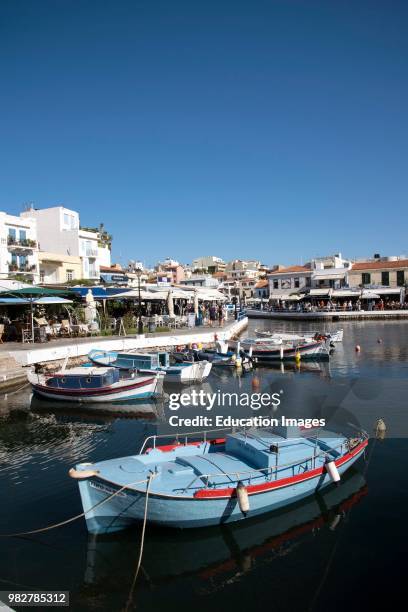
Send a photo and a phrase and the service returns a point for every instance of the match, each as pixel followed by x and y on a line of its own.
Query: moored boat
pixel 185 372
pixel 270 351
pixel 334 336
pixel 90 385
pixel 203 483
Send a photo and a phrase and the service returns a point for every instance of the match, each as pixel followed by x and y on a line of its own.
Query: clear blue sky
pixel 271 129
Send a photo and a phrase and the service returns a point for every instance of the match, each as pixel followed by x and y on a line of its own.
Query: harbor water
pixel 341 549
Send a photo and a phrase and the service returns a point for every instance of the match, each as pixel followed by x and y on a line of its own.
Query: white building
pixel 239 268
pixel 209 264
pixel 200 280
pixel 18 246
pixel 58 231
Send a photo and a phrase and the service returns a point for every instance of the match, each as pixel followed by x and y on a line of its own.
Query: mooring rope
pixel 142 537
pixel 78 516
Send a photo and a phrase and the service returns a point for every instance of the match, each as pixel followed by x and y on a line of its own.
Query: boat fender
pixel 81 474
pixel 243 499
pixel 238 362
pixel 380 429
pixel 297 357
pixel 332 470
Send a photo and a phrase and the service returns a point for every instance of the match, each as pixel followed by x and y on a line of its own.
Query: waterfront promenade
pixel 14 355
pixel 326 315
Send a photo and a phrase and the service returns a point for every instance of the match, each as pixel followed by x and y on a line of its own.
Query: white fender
pixel 243 499
pixel 332 470
pixel 80 474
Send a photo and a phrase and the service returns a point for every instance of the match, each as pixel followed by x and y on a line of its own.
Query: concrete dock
pixel 14 356
pixel 336 315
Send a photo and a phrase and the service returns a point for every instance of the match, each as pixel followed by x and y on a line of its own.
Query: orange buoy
pixel 256 383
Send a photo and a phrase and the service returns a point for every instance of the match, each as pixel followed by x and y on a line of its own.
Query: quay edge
pixel 359 315
pixel 76 348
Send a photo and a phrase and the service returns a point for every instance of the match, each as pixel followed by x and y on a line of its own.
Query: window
pixel 366 278
pixel 297 283
pixel 385 279
pixel 23 235
pixel 70 275
pixel 12 236
pixel 276 284
pixel 42 276
pixel 400 278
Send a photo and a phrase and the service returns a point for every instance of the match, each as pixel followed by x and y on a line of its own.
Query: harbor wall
pixel 357 315
pixel 55 352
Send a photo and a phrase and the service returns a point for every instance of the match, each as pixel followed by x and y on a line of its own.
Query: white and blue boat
pixel 90 385
pixel 185 373
pixel 211 482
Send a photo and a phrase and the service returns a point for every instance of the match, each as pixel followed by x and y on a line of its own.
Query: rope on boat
pixel 142 537
pixel 83 514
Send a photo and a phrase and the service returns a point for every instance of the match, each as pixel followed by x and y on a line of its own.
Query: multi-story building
pixel 59 232
pixel 170 269
pixel 18 246
pixel 284 281
pixel 330 272
pixel 210 264
pixel 58 269
pixel 379 272
pixel 200 280
pixel 239 268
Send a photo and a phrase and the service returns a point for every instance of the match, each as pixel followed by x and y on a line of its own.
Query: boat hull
pixel 213 508
pixel 137 390
pixel 313 350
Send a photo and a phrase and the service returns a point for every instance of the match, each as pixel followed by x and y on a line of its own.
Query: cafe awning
pixel 45 301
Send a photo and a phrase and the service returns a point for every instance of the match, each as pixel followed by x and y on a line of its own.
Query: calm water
pixel 344 549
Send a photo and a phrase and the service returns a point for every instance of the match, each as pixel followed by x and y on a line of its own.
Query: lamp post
pixel 140 322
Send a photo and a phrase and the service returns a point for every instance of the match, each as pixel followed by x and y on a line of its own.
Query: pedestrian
pixel 213 315
pixel 220 315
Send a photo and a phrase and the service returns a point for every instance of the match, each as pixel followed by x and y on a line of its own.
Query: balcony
pixel 13 267
pixel 91 252
pixel 26 243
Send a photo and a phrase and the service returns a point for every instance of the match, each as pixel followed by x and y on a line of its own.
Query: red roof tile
pixel 305 268
pixel 380 265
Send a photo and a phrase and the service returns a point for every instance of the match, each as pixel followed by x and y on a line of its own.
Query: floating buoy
pixel 379 341
pixel 380 429
pixel 332 470
pixel 256 383
pixel 358 348
pixel 238 362
pixel 233 357
pixel 297 357
pixel 243 499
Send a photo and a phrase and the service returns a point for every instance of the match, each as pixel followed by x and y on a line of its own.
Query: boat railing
pixel 180 436
pixel 250 475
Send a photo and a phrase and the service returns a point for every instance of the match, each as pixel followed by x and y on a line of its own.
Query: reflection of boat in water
pixel 322 368
pixel 215 553
pixel 148 409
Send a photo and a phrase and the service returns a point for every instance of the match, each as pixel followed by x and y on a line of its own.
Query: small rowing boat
pixel 335 336
pixel 211 482
pixel 95 385
pixel 186 372
pixel 265 351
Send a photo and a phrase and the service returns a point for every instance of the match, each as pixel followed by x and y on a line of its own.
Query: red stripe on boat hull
pixel 278 484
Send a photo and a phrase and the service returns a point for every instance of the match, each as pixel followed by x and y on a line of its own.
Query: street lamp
pixel 140 322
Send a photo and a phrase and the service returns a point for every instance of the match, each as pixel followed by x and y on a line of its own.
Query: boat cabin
pixel 84 378
pixel 142 361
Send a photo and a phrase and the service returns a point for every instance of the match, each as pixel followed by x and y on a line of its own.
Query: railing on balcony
pixel 13 267
pixel 91 252
pixel 26 243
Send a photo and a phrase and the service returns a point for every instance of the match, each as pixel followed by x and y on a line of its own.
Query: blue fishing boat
pixel 90 385
pixel 210 482
pixel 185 372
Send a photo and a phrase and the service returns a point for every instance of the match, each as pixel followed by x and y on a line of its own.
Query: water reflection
pixel 214 556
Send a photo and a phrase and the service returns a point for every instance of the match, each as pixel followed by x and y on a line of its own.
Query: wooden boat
pixel 335 336
pixel 185 373
pixel 269 351
pixel 230 359
pixel 202 483
pixel 95 385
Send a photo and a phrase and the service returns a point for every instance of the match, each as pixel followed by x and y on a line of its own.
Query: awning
pixel 387 290
pixel 321 292
pixel 345 293
pixel 9 301
pixel 294 297
pixel 369 295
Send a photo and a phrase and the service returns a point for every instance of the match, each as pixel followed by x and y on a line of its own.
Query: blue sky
pixel 271 129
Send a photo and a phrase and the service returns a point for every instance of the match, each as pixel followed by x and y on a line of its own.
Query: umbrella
pixel 170 304
pixel 196 302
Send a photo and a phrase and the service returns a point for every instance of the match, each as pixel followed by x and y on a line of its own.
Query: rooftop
pixel 380 265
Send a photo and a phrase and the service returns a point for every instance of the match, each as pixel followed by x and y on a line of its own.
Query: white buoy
pixel 281 352
pixel 358 348
pixel 243 499
pixel 332 470
pixel 380 429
